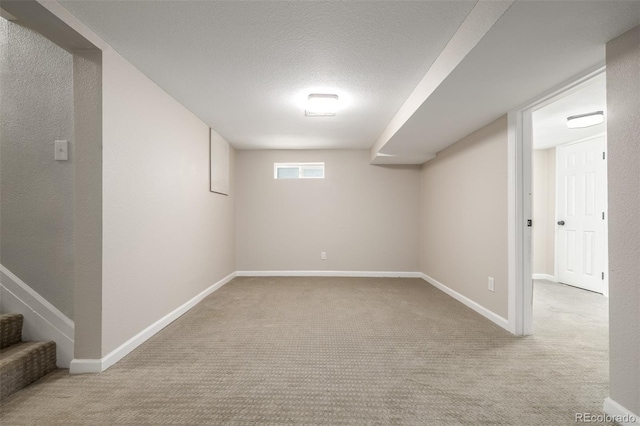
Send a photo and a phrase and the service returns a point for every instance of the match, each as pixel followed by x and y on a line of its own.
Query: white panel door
pixel 581 251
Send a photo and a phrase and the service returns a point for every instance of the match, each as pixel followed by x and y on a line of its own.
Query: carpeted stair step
pixel 24 363
pixel 10 329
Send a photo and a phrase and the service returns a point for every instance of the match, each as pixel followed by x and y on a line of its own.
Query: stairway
pixel 21 363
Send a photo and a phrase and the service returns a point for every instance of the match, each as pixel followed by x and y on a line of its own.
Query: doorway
pixel 536 234
pixel 569 184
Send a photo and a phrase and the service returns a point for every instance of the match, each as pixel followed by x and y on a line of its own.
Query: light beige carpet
pixel 342 351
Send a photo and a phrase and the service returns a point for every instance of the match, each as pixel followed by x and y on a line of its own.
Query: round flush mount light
pixel 321 105
pixel 585 120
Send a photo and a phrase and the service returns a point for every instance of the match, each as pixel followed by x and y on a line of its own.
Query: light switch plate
pixel 491 284
pixel 61 150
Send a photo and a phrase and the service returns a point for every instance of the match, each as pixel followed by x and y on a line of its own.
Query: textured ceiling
pixel 245 68
pixel 550 122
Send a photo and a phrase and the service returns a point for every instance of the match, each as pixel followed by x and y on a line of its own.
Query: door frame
pixel 519 188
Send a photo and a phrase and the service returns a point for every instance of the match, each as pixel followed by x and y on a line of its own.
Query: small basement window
pixel 298 170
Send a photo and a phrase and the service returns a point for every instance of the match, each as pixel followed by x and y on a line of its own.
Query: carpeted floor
pixel 342 351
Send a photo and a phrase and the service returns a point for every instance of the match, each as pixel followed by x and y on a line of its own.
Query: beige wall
pixel 464 216
pixel 37 192
pixel 365 217
pixel 87 93
pixel 544 193
pixel 166 238
pixel 623 122
pixel 550 236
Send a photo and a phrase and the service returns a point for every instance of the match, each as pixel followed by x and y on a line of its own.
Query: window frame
pixel 300 167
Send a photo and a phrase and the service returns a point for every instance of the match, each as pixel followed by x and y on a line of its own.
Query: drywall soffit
pixel 481 19
pixel 33 15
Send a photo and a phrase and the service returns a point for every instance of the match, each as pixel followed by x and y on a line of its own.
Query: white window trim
pixel 300 167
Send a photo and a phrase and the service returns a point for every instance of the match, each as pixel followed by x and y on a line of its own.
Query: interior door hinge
pixel 529 222
pixel 603 275
pixel 602 215
pixel 603 156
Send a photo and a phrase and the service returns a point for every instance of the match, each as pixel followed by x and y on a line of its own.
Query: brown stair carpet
pixel 24 363
pixel 10 330
pixel 21 363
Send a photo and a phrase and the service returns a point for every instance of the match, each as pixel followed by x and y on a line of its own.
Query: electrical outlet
pixel 323 255
pixel 491 284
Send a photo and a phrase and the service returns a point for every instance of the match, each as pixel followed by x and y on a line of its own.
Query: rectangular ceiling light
pixel 585 120
pixel 321 105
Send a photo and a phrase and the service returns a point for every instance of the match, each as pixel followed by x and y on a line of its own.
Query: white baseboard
pixel 42 320
pixel 364 274
pixel 80 366
pixel 502 322
pixel 620 414
pixel 545 277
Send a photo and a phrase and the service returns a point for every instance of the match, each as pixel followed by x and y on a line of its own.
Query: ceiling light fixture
pixel 321 105
pixel 585 120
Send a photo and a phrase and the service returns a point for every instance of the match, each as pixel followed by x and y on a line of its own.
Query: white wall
pixel 166 238
pixel 37 192
pixel 464 216
pixel 365 217
pixel 623 124
pixel 544 192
